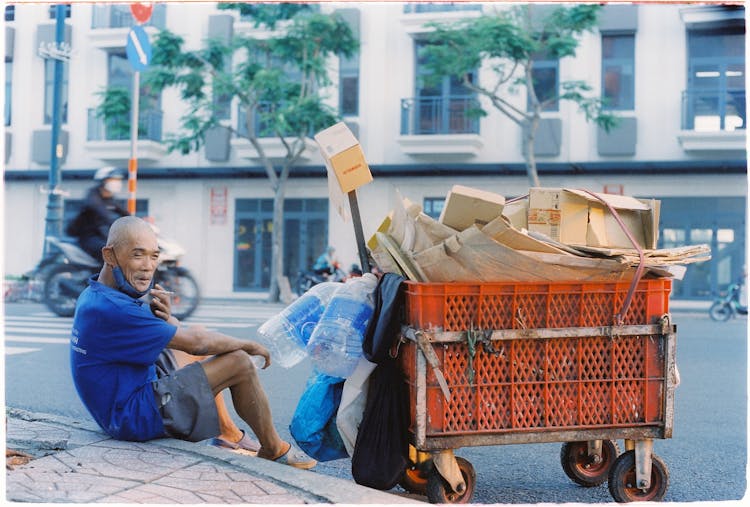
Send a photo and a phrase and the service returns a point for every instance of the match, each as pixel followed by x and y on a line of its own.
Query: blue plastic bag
pixel 313 425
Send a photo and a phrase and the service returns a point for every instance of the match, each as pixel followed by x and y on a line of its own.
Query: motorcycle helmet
pixel 105 173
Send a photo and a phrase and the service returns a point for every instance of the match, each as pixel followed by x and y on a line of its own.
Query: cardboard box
pixel 465 206
pixel 343 155
pixel 575 217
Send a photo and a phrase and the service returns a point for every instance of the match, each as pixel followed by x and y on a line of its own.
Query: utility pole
pixel 53 220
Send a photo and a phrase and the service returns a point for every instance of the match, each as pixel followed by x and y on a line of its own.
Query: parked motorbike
pixel 68 268
pixel 728 306
pixel 307 279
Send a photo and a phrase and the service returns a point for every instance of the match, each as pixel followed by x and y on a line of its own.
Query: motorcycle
pixel 65 273
pixel 728 306
pixel 308 279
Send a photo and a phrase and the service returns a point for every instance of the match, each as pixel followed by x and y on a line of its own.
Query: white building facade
pixel 675 73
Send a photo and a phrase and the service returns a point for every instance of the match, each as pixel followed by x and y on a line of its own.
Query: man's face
pixel 138 258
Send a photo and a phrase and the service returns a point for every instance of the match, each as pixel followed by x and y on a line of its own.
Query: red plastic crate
pixel 542 385
pixel 532 305
pixel 538 384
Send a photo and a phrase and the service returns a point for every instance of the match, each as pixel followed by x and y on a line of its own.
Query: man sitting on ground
pixel 117 340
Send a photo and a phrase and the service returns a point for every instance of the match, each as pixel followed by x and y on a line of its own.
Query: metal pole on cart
pixel 358 233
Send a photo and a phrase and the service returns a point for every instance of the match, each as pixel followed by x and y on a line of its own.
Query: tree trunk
pixel 277 240
pixel 529 137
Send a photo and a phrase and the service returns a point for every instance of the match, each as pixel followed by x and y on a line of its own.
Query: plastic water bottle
pixel 335 346
pixel 287 333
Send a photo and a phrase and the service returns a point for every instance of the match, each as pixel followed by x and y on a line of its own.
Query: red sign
pixel 219 203
pixel 141 11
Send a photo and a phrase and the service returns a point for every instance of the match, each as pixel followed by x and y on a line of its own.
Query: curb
pixel 306 484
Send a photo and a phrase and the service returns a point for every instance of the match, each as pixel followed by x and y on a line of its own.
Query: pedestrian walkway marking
pixel 13 329
pixel 36 339
pixel 9 351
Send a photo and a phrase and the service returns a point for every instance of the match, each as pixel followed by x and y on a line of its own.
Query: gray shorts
pixel 185 400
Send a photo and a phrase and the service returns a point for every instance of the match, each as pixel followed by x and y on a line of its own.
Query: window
pixel 715 96
pixel 222 101
pixel 618 79
pixel 8 90
pixel 440 106
pixel 433 206
pixel 49 90
pixel 10 13
pixel 545 74
pixel 349 67
pixel 349 85
pixel 53 11
pixel 441 7
pixel 120 76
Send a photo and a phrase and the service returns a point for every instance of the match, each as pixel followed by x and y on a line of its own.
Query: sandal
pixel 246 445
pixel 295 457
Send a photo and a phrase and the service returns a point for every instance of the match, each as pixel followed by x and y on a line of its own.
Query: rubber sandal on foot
pixel 296 458
pixel 246 445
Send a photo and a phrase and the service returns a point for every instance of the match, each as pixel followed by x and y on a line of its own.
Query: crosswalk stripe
pixel 9 351
pixel 12 329
pixel 36 339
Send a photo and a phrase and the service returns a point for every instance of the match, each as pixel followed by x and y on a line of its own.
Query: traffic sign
pixel 141 11
pixel 138 48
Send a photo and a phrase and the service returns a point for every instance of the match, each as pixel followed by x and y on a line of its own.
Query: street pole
pixel 53 220
pixel 133 162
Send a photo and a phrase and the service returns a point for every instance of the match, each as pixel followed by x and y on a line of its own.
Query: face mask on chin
pixel 124 286
pixel 113 186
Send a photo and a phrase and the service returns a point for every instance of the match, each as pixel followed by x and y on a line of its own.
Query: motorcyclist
pixel 98 211
pixel 326 262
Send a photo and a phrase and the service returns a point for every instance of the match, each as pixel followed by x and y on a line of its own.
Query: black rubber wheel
pixel 439 491
pixel 62 286
pixel 186 292
pixel 581 468
pixel 720 312
pixel 415 477
pixel 622 485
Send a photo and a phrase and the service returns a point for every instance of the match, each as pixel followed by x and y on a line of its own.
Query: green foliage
pixel 277 80
pixel 114 109
pixel 507 42
pixel 267 14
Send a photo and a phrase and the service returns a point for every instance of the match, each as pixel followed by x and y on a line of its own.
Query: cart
pixel 585 364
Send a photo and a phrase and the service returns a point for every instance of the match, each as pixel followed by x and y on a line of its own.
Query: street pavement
pixel 75 462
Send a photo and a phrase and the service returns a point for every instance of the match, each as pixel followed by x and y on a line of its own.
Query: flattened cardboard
pixel 466 206
pixel 343 154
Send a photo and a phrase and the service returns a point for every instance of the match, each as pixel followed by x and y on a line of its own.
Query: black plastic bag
pixel 382 448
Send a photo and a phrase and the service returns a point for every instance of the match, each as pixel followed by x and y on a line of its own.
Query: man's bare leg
pixel 229 430
pixel 236 371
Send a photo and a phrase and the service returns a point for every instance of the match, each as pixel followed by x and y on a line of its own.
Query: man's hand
pixel 161 304
pixel 256 349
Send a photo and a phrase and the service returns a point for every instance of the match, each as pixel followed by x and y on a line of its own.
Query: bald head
pixel 128 228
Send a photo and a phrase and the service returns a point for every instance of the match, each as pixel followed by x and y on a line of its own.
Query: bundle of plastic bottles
pixel 328 322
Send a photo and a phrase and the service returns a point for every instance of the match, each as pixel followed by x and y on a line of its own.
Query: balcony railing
pixel 118 129
pixel 714 110
pixel 119 16
pixel 439 115
pixel 440 7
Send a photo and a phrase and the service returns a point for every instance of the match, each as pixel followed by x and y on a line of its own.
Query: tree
pixel 509 41
pixel 277 81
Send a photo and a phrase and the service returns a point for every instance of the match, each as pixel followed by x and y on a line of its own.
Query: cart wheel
pixel 622 484
pixel 581 468
pixel 439 491
pixel 415 476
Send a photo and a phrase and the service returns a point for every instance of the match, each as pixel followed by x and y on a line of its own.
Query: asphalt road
pixel 706 456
